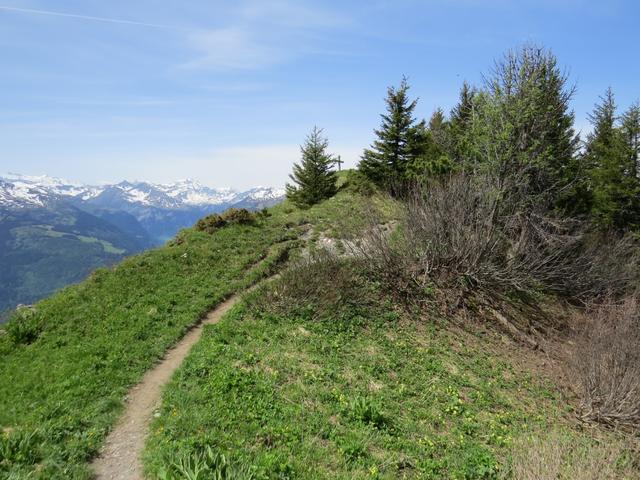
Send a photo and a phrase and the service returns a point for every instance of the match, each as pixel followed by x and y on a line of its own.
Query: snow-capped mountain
pixel 158 209
pixel 59 231
pixel 20 195
pixel 47 185
pixel 22 191
pixel 191 192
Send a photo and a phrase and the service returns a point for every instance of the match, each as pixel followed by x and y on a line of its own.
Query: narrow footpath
pixel 121 455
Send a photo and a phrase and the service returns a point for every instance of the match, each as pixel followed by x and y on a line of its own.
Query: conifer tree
pixel 314 177
pixel 461 113
pixel 612 177
pixel 396 144
pixel 427 147
pixel 461 119
pixel 437 122
pixel 631 132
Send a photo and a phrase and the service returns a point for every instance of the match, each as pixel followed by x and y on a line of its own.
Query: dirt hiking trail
pixel 120 458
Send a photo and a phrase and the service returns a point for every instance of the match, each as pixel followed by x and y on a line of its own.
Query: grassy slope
pixel 374 398
pixel 61 391
pixel 358 395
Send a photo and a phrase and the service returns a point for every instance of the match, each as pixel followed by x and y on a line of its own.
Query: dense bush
pixel 321 286
pixel 233 216
pixel 358 183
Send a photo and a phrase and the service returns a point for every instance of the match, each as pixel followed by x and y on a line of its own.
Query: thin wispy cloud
pixel 258 34
pixel 233 48
pixel 91 18
pixel 266 33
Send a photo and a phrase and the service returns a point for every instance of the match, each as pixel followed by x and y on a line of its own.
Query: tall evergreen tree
pixel 531 97
pixel 314 177
pixel 612 172
pixel 396 144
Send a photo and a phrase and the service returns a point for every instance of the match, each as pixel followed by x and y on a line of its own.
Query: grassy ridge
pixel 65 367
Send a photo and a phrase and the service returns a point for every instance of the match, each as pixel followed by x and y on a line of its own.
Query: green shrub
pixel 24 327
pixel 208 465
pixel 19 447
pixel 239 216
pixel 210 223
pixel 365 410
pixel 233 216
pixel 357 182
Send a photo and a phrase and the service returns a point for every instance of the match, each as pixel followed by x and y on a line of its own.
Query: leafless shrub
pixel 607 264
pixel 467 233
pixel 557 456
pixel 607 360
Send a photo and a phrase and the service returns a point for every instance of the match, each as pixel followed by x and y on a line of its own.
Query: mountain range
pixel 54 232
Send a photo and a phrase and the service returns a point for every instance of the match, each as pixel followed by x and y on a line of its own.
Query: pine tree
pixel 314 177
pixel 612 176
pixel 386 161
pixel 437 122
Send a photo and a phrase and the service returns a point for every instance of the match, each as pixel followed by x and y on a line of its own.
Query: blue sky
pixel 224 91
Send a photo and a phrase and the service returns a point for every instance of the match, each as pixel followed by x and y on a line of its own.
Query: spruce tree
pixel 461 138
pixel 314 177
pixel 385 163
pixel 612 176
pixel 631 132
pixel 462 112
pixel 428 155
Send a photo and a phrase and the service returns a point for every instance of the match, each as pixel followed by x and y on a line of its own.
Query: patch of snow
pixel 138 196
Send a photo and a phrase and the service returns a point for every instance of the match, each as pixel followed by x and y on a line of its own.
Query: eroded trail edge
pixel 121 456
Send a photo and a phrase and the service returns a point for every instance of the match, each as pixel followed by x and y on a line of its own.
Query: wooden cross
pixel 339 162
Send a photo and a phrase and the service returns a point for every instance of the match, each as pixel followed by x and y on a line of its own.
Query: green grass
pixel 363 396
pixel 66 366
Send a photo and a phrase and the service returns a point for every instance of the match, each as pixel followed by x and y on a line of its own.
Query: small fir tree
pixel 314 177
pixel 462 112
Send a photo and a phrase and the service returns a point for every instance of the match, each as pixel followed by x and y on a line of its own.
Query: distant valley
pixel 54 232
